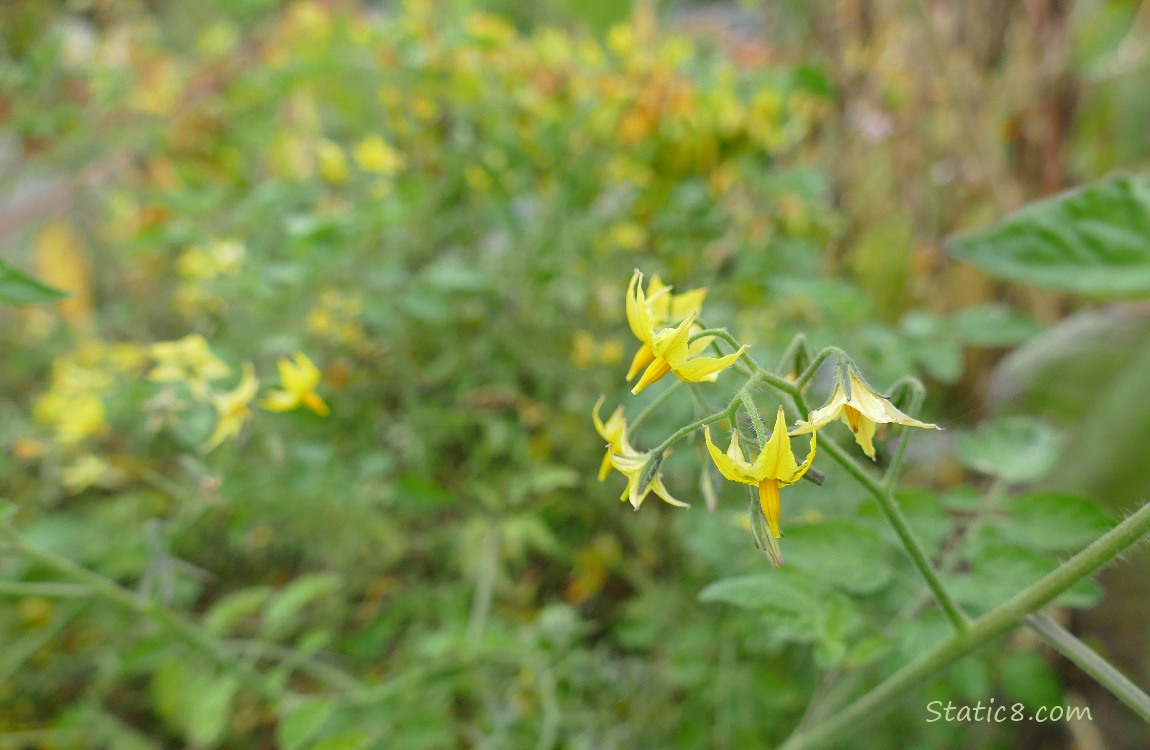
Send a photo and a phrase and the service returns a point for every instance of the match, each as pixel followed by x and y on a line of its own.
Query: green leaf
pixel 992 325
pixel 18 288
pixel 303 722
pixel 351 740
pixel 845 555
pixel 998 572
pixel 230 609
pixel 283 613
pixel 1054 521
pixel 194 702
pixel 1094 240
pixel 1019 450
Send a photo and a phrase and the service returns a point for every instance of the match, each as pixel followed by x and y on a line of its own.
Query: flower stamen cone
pixel 774 467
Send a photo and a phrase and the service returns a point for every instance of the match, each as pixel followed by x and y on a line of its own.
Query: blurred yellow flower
pixel 232 408
pixel 188 360
pixel 775 467
pixel 332 162
pixel 860 408
pixel 299 379
pixel 373 154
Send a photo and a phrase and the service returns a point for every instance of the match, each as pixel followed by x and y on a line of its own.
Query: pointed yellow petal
pixel 706 368
pixel 731 464
pixel 655 372
pixel 642 358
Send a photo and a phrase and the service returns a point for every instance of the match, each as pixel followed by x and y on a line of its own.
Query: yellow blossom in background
pixel 232 408
pixel 332 162
pixel 587 351
pixel 83 473
pixel 220 258
pixel 188 360
pixel 860 408
pixel 774 467
pixel 299 377
pixel 373 154
pixel 73 416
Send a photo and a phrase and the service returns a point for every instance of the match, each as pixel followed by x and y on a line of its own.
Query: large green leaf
pixel 18 288
pixel 1095 241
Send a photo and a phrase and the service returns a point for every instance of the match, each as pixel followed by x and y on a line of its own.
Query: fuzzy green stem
pixel 892 470
pixel 1105 673
pixel 895 518
pixel 656 402
pixel 804 377
pixel 1000 620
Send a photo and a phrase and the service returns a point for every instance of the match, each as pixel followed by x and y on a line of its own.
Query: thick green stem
pixel 998 621
pixel 1092 664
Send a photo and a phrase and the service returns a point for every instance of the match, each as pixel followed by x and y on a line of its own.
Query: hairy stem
pixel 1092 664
pixel 1003 618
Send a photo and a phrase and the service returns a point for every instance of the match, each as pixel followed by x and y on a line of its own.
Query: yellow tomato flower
pixel 299 379
pixel 632 468
pixel 614 432
pixel 624 458
pixel 373 154
pixel 663 351
pixel 673 353
pixel 232 408
pixel 775 467
pixel 860 407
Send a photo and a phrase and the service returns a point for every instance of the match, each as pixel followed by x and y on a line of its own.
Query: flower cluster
pixel 673 340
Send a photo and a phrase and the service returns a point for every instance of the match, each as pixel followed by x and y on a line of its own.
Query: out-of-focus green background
pixel 440 203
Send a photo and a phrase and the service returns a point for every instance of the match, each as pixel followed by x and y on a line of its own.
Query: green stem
pixel 805 376
pixel 112 592
pixel 895 466
pixel 998 621
pixel 44 589
pixel 895 518
pixel 728 413
pixel 656 402
pixel 752 410
pixel 1092 664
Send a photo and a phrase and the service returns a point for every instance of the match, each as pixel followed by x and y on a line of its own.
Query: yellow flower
pixel 673 353
pixel 775 467
pixel 860 407
pixel 299 379
pixel 614 432
pixel 373 154
pixel 632 468
pixel 622 457
pixel 189 361
pixel 232 408
pixel 667 350
pixel 332 162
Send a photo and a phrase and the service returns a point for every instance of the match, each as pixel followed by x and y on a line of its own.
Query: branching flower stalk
pixel 863 409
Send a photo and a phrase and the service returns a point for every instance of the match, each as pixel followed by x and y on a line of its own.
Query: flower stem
pixel 1092 664
pixel 656 402
pixel 998 621
pixel 895 518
